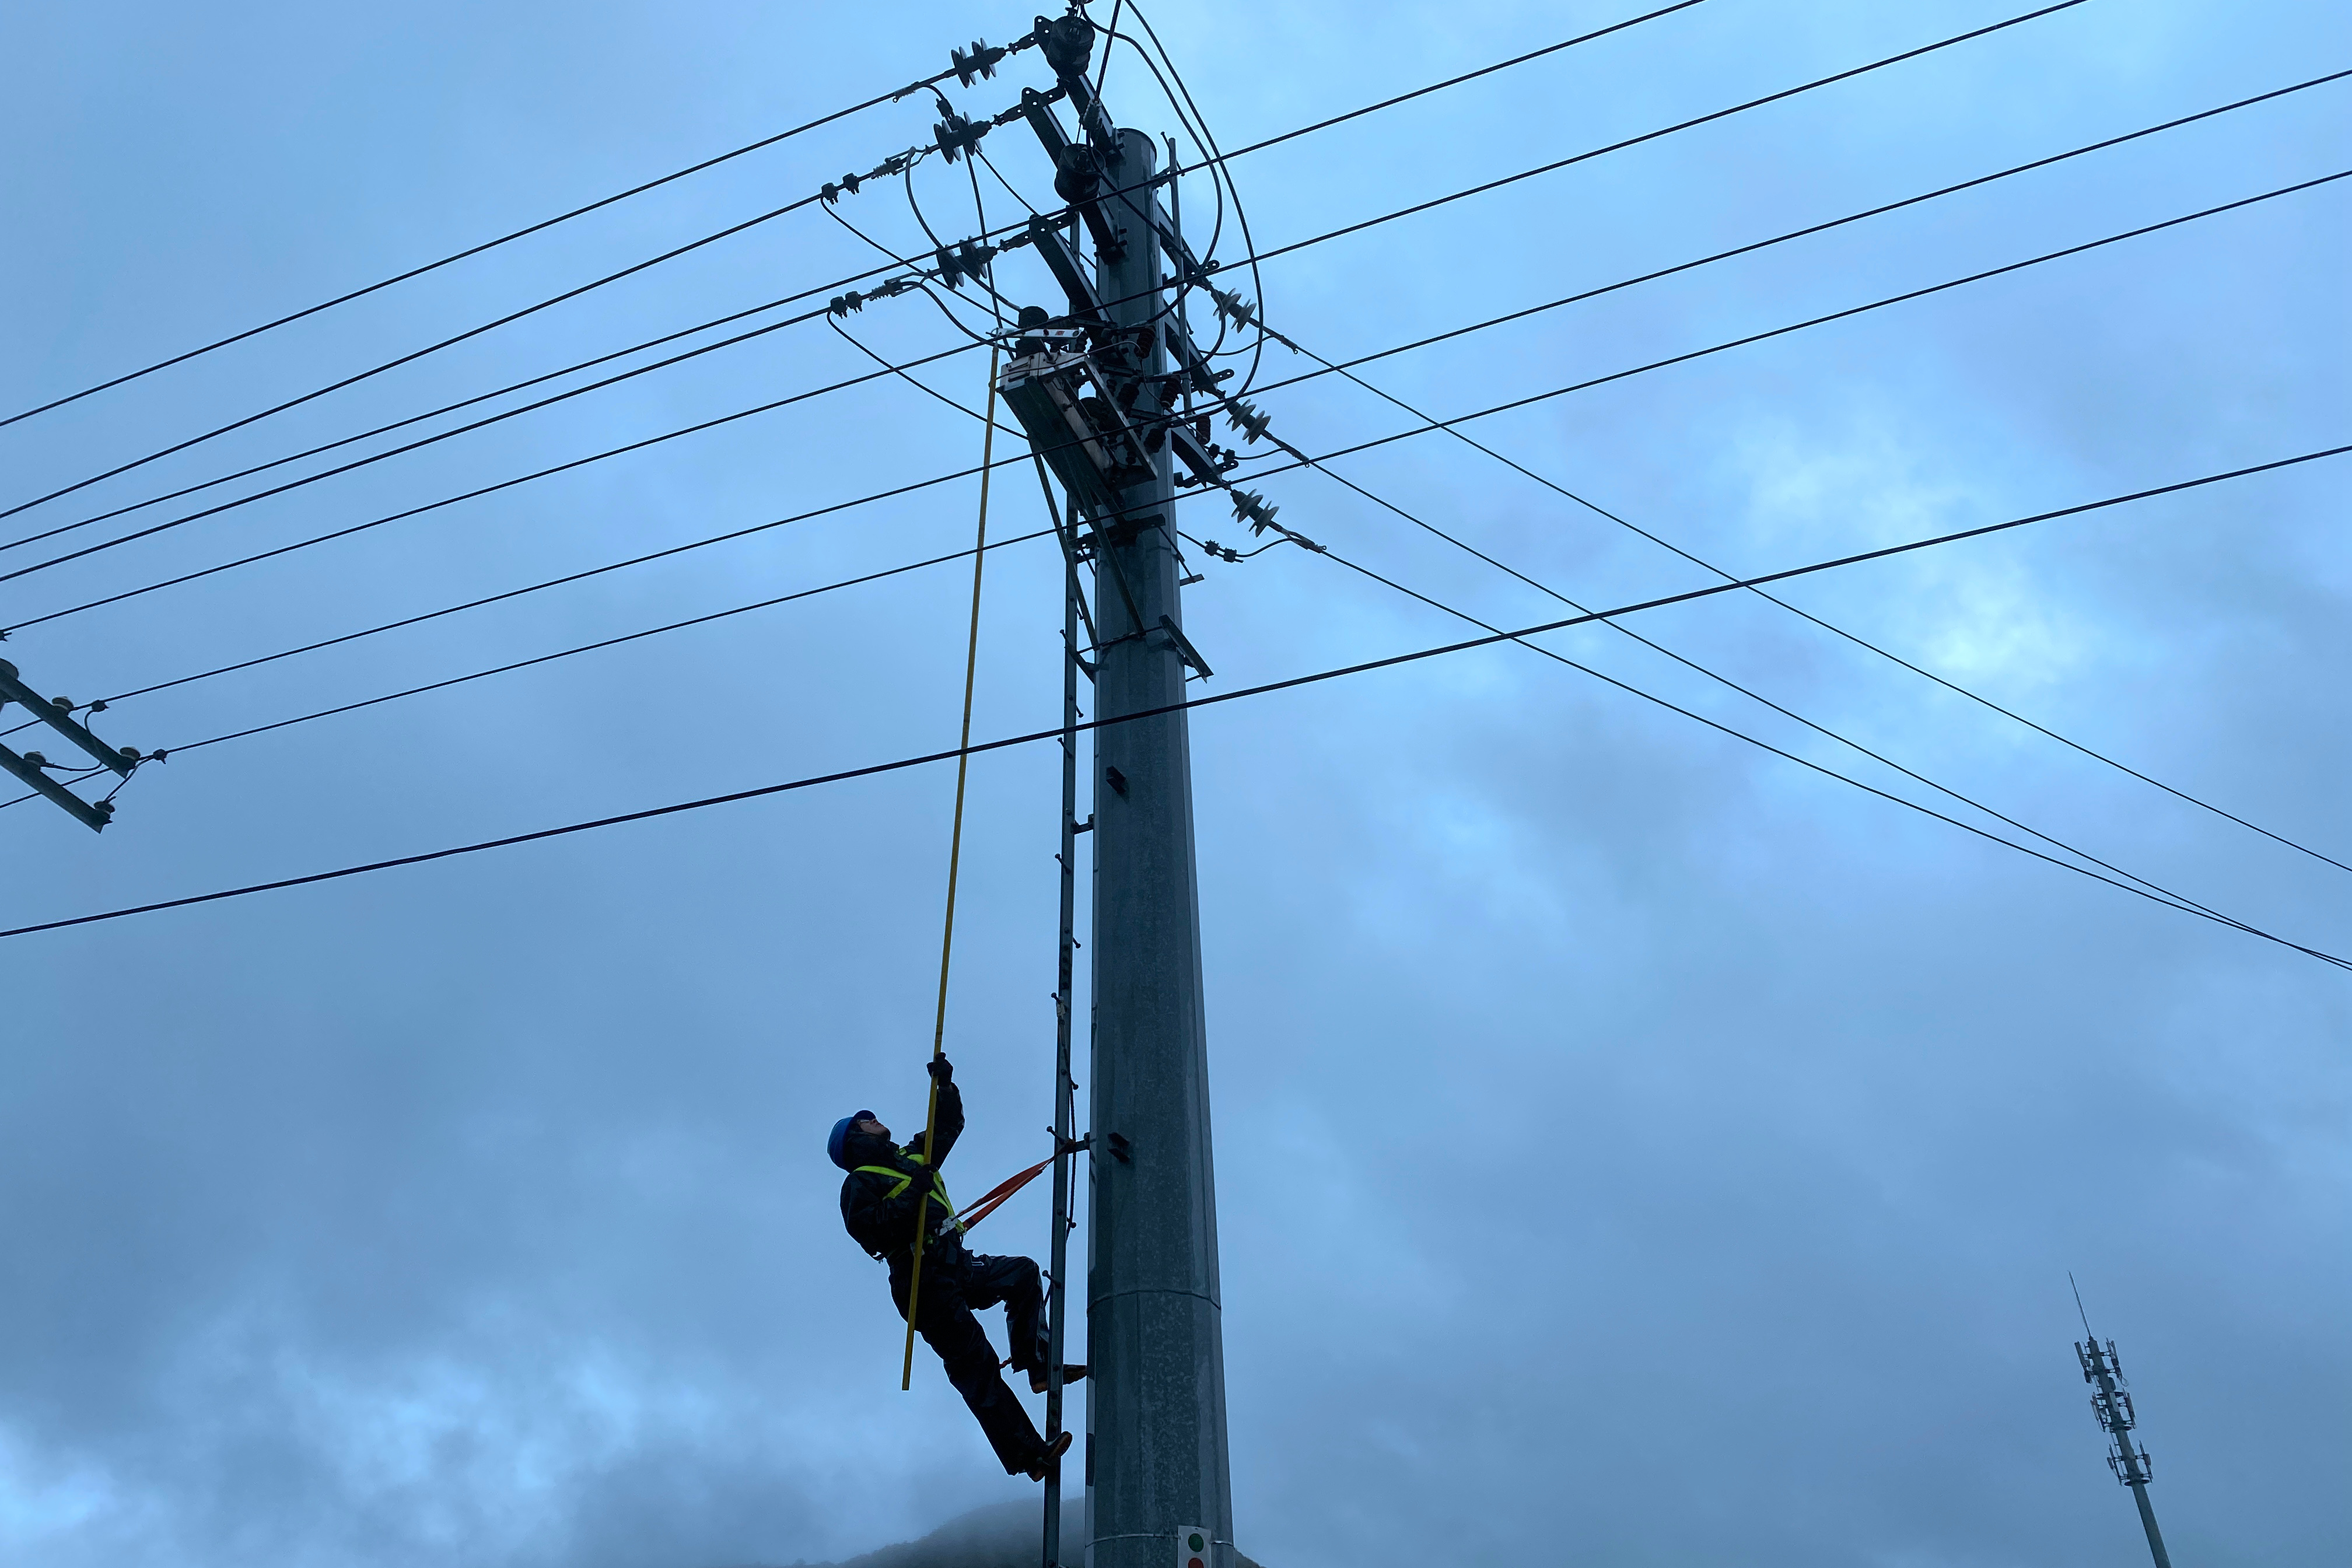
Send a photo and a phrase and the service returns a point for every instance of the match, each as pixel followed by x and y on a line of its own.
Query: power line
pixel 1500 408
pixel 603 643
pixel 1796 234
pixel 1863 643
pixel 1682 125
pixel 2166 895
pixel 414 355
pixel 1217 159
pixel 2162 894
pixel 1510 317
pixel 652 261
pixel 1287 683
pixel 525 479
pixel 2149 891
pixel 418 418
pixel 489 245
pixel 427 441
pixel 1853 310
pixel 1583 295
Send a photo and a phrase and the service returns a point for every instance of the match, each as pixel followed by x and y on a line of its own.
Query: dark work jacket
pixel 884 1225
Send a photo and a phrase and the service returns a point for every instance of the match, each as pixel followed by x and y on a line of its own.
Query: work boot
pixel 1070 1374
pixel 1047 1455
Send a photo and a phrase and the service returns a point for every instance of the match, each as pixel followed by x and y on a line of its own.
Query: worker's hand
pixel 942 1070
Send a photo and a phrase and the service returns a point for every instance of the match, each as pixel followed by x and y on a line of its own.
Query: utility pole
pixel 1156 1456
pixel 1093 392
pixel 2112 1404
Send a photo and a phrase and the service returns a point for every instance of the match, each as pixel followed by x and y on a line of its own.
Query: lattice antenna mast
pixel 2111 1402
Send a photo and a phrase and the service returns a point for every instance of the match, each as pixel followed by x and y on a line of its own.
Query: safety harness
pixel 901 1180
pixel 988 1204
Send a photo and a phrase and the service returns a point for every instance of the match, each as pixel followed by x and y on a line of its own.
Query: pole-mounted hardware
pixel 31 767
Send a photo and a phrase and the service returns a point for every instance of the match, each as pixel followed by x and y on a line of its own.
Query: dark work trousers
pixel 954 1283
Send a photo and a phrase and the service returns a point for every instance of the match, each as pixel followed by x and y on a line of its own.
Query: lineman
pixel 879 1197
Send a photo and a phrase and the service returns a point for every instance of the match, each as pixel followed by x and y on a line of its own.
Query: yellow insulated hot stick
pixel 955 857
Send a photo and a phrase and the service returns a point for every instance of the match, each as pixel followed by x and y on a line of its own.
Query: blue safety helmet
pixel 836 1146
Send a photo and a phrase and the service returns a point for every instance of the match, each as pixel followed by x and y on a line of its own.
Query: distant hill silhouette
pixel 1002 1536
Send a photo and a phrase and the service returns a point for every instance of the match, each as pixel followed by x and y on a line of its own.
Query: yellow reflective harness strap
pixel 906 1179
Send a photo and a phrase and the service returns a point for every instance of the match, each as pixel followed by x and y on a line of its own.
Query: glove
pixel 942 1070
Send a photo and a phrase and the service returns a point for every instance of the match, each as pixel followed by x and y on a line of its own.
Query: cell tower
pixel 2111 1402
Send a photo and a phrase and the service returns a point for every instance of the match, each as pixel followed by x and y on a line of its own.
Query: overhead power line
pixel 412 356
pixel 1712 674
pixel 1851 312
pixel 525 479
pixel 1522 314
pixel 1751 248
pixel 1287 683
pixel 1863 643
pixel 1498 409
pixel 652 261
pixel 606 643
pixel 439 436
pixel 2146 889
pixel 462 403
pixel 1200 701
pixel 764 141
pixel 1376 499
pixel 489 245
pixel 1218 160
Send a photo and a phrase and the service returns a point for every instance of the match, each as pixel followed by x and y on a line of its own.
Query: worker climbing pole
pixel 888 1193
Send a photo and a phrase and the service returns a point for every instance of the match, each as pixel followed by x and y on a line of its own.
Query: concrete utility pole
pixel 2104 1370
pixel 1156 1471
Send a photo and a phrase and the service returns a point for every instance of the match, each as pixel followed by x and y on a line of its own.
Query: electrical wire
pixel 1522 314
pixel 215 511
pixel 416 354
pixel 975 151
pixel 1858 641
pixel 1824 226
pixel 1223 159
pixel 1582 618
pixel 918 384
pixel 1847 313
pixel 1206 700
pixel 600 643
pixel 487 244
pixel 1253 259
pixel 434 413
pixel 2160 896
pixel 1258 473
pixel 1197 125
pixel 1725 680
pixel 349 529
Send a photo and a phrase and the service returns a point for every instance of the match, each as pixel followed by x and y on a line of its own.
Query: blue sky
pixel 1634 1148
